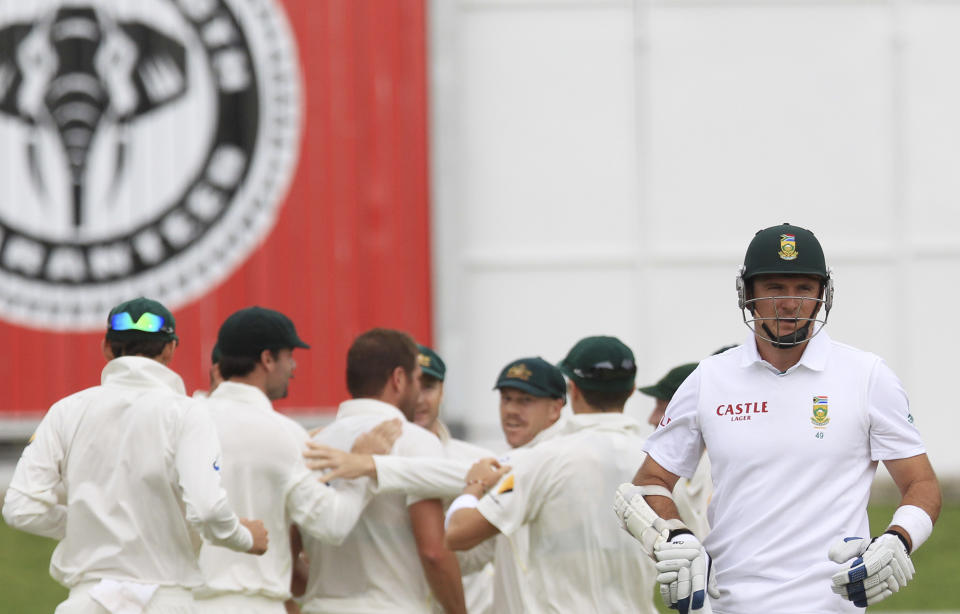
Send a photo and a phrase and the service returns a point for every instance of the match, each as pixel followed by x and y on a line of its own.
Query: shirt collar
pixel 140 371
pixel 814 355
pixel 554 430
pixel 369 407
pixel 243 394
pixel 443 433
pixel 606 421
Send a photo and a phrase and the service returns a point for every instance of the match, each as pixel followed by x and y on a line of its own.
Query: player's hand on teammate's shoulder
pixel 259 532
pixel 338 464
pixel 358 462
pixel 486 472
pixel 380 439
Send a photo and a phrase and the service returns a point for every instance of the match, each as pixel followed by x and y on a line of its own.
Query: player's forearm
pixel 421 476
pixel 652 474
pixel 327 513
pixel 925 494
pixel 34 516
pixel 443 575
pixel 912 526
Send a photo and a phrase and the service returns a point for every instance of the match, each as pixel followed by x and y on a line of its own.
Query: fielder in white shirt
pixel 532 395
pixel 126 476
pixel 264 473
pixel 794 424
pixel 476 566
pixel 578 560
pixel 394 560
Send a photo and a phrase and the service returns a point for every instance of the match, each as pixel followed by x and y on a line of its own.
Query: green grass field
pixel 28 588
pixel 937 564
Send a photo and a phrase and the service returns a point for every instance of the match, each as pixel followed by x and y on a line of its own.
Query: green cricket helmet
pixel 785 250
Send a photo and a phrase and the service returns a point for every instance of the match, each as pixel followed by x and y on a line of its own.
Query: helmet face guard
pixel 769 328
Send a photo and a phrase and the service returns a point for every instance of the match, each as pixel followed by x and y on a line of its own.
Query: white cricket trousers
pixel 240 604
pixel 167 600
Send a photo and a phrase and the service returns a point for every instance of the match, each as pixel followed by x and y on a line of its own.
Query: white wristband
pixel 915 521
pixel 464 501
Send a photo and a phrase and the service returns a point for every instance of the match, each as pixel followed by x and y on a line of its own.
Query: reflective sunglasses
pixel 606 371
pixel 148 323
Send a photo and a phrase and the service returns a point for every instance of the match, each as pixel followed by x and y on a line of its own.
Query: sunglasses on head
pixel 603 371
pixel 148 323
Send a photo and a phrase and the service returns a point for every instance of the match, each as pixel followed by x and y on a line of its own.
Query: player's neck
pixel 781 358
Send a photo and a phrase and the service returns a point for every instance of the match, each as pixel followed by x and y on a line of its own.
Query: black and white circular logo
pixel 146 147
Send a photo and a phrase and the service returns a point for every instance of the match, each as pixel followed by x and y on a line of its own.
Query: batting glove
pixel 686 574
pixel 881 568
pixel 638 519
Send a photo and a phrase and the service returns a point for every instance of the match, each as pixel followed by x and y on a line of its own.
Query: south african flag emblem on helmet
pixel 788 247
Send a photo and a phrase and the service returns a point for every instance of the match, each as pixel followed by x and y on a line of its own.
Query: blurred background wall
pixel 598 167
pixel 498 177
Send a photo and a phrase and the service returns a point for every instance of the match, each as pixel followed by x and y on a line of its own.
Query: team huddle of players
pixel 383 511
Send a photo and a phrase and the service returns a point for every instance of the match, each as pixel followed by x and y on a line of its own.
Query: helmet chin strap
pixel 789 340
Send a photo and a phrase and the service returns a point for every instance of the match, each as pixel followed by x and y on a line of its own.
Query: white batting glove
pixel 638 519
pixel 881 568
pixel 686 574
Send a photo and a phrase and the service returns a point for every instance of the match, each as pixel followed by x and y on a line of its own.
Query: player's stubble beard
pixel 408 403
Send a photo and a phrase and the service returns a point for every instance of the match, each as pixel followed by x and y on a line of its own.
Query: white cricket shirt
pixel 444 479
pixel 793 457
pixel 579 559
pixel 377 568
pixel 692 497
pixel 265 478
pixel 476 564
pixel 138 462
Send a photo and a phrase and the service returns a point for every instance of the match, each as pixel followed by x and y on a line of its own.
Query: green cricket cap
pixel 535 376
pixel 600 363
pixel 431 363
pixel 250 331
pixel 141 319
pixel 667 386
pixel 215 354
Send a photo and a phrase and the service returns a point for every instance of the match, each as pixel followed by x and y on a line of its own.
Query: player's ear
pixel 268 360
pixel 556 408
pixel 106 349
pixel 166 355
pixel 399 377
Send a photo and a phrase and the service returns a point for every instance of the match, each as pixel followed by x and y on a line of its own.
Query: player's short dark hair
pixel 238 366
pixel 606 400
pixel 372 358
pixel 151 348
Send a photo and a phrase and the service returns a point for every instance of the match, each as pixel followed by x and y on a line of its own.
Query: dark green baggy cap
pixel 667 386
pixel 141 319
pixel 535 376
pixel 600 363
pixel 431 363
pixel 250 331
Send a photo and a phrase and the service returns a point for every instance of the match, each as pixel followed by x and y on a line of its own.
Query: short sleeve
pixel 678 442
pixel 520 495
pixel 892 432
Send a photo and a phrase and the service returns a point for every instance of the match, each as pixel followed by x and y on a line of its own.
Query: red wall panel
pixel 350 248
